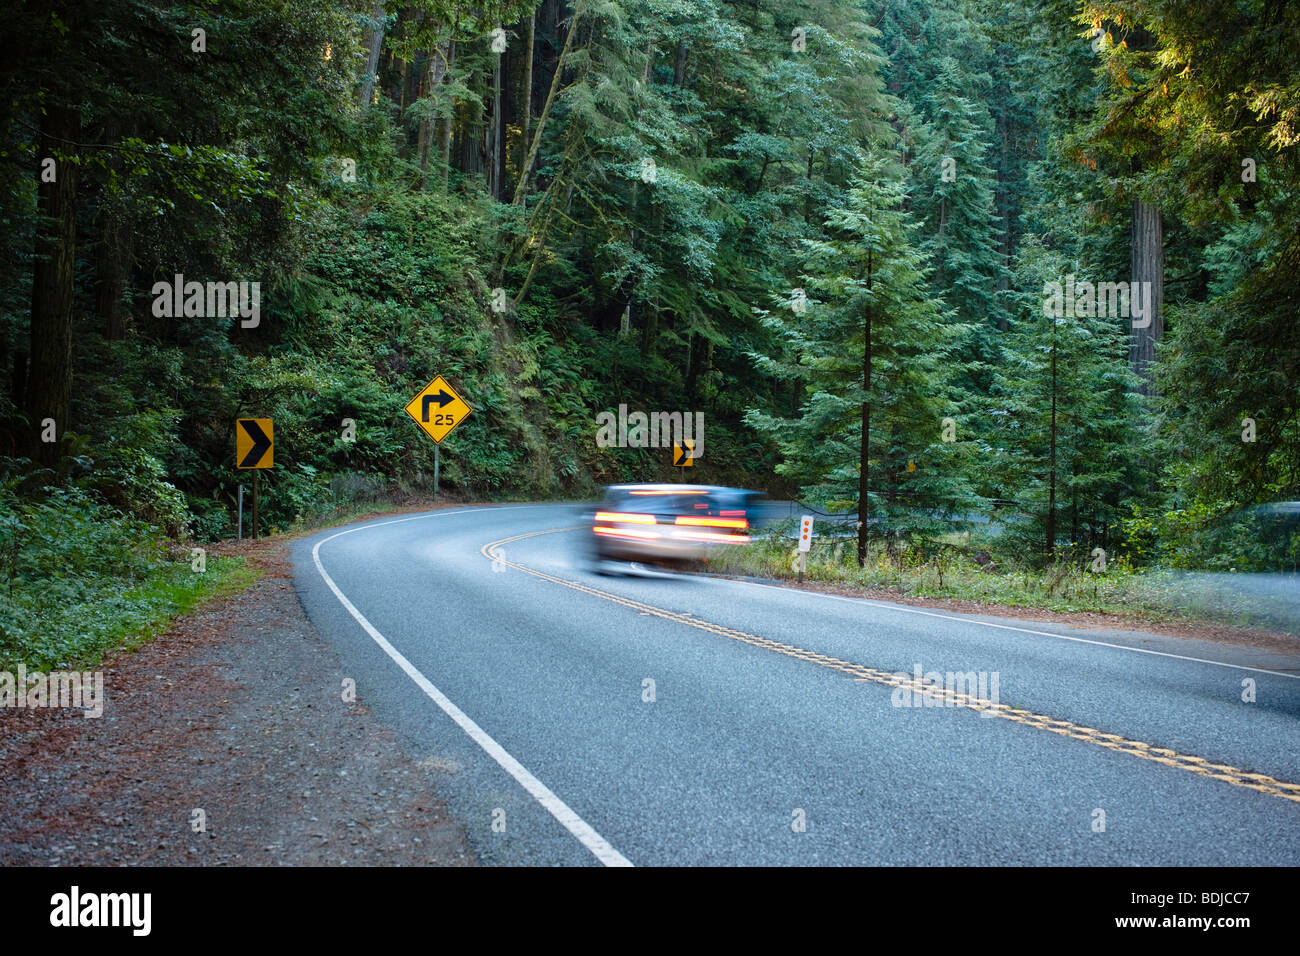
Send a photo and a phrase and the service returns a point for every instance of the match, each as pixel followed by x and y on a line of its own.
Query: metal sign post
pixel 239 532
pixel 438 410
pixel 255 449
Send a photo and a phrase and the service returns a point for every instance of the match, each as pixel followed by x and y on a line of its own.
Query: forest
pixel 947 264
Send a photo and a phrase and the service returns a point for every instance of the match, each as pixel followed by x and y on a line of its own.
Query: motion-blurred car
pixel 669 524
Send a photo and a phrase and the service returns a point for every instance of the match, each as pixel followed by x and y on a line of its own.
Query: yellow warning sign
pixel 684 453
pixel 254 443
pixel 438 409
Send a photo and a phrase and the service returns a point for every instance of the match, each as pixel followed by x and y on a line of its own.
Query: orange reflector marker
pixel 627 518
pixel 714 522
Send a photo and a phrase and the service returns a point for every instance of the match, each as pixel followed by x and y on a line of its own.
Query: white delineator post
pixel 805 542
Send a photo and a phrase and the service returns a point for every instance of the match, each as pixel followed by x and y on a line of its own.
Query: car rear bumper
pixel 660 542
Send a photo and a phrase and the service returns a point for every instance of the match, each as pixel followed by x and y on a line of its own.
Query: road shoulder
pixel 237 711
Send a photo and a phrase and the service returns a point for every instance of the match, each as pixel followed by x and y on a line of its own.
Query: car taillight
pixel 625 532
pixel 713 522
pixel 626 518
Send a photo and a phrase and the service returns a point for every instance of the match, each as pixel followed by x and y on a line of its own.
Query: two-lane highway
pixel 576 718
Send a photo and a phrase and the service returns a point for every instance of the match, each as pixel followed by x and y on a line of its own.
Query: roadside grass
pixel 79 579
pixel 952 572
pixel 57 626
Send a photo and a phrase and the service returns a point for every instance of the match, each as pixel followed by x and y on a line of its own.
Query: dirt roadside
pixel 236 711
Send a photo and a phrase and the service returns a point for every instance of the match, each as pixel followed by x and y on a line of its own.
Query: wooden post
pixel 256 474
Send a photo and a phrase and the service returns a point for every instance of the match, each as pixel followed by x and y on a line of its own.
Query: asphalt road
pixel 776 731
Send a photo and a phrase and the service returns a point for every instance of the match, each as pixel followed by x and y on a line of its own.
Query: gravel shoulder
pixel 237 711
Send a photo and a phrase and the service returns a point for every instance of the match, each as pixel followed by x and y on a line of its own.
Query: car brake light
pixel 625 532
pixel 714 522
pixel 625 518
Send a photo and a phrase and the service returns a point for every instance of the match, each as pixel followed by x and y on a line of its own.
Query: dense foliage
pixel 828 225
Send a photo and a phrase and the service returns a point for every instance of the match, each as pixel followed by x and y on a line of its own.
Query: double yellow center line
pixel 1261 783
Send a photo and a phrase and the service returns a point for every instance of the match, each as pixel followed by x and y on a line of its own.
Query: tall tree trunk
pixel 864 455
pixel 546 201
pixel 18 394
pixel 374 41
pixel 1074 502
pixel 424 134
pixel 941 272
pixel 526 103
pixel 650 331
pixel 49 383
pixel 695 358
pixel 1148 265
pixel 437 71
pixel 1051 477
pixel 808 191
pixel 537 254
pixel 1004 210
pixel 546 107
pixel 679 63
pixel 467 146
pixel 444 132
pixel 112 267
pixel 113 250
pixel 496 134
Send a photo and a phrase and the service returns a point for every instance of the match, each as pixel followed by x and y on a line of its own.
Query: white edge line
pixel 1024 630
pixel 587 836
